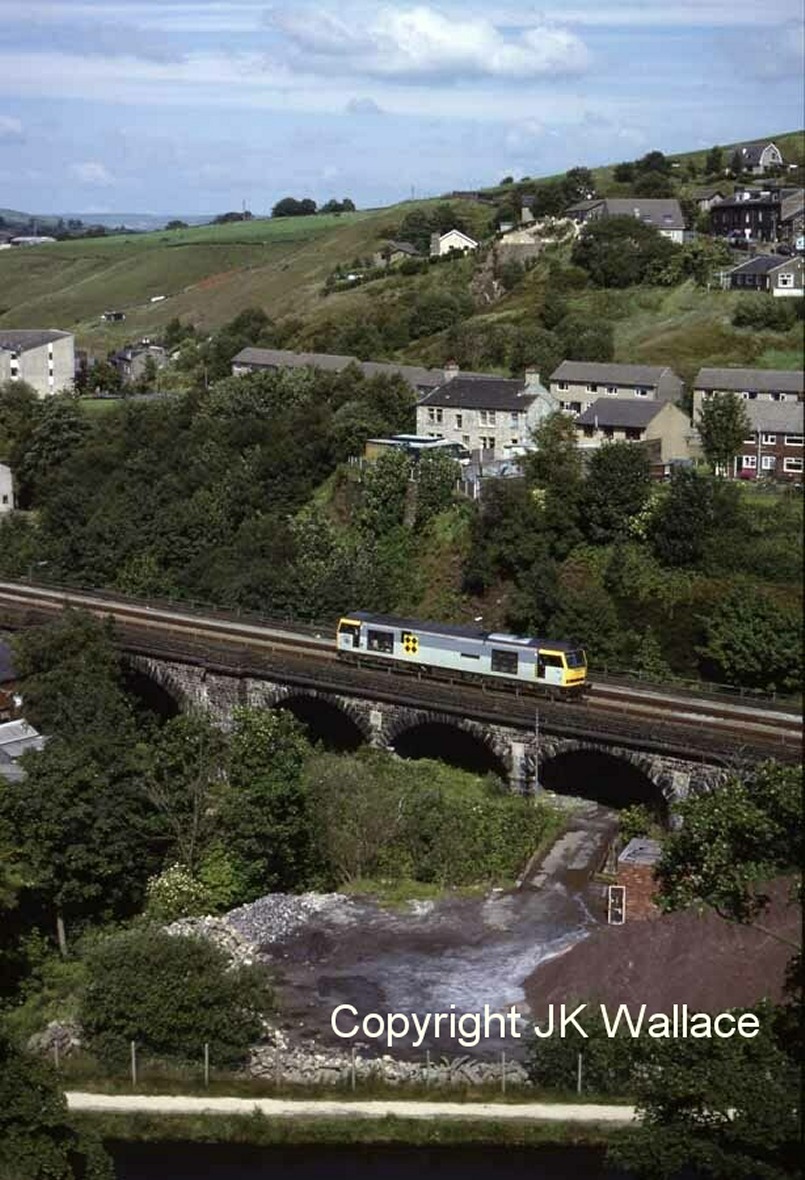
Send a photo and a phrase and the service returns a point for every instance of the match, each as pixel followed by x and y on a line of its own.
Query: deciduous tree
pixel 723 426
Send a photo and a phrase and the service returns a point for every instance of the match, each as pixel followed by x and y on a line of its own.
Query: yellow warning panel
pixel 410 643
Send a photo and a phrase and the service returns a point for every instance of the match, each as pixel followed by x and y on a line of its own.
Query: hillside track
pixel 303 655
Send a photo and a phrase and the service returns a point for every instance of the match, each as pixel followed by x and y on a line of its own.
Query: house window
pixel 592 388
pixel 785 280
pixel 486 417
pixel 459 421
pixel 749 442
pixel 769 440
pixel 487 443
pixel 562 385
pixel 434 414
pixel 793 440
pixel 5 499
pixel 588 431
pixel 792 465
pixel 640 391
pixel 612 389
pixel 633 433
pixel 749 463
pixel 515 420
pixel 514 442
pixel 608 432
pixel 465 439
pixel 768 462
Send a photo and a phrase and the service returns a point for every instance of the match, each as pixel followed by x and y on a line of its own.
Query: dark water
pixel 223 1161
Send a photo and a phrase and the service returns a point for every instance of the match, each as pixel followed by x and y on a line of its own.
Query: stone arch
pixel 612 776
pixel 466 744
pixel 140 672
pixel 338 723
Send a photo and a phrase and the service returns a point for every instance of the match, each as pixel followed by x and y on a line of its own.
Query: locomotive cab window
pixel 546 660
pixel 576 659
pixel 504 661
pixel 380 641
pixel 351 631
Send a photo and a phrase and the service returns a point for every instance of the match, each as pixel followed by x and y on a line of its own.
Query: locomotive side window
pixel 547 660
pixel 504 661
pixel 380 641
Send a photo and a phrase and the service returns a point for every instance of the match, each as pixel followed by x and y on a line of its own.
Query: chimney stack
pixel 451 370
pixel 532 381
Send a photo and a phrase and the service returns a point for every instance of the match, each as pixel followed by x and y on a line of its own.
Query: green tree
pixel 723 426
pixel 714 161
pixel 616 489
pixel 170 994
pixel 436 477
pixel 686 522
pixel 19 410
pixel 752 640
pixel 621 251
pixel 58 431
pixel 727 1109
pixel 732 840
pixel 265 822
pixel 385 487
pixel 37 1139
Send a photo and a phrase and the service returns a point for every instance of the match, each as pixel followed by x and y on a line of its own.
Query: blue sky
pixel 193 106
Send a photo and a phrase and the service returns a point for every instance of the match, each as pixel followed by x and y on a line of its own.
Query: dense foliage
pixel 171 994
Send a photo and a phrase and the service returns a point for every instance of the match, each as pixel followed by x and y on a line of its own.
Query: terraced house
pixel 490 415
pixel 773 448
pixel 764 385
pixel 45 359
pixel 577 384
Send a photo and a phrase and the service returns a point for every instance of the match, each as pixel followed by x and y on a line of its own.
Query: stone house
pixel 256 360
pixel 394 252
pixel 44 358
pixel 767 214
pixel 705 198
pixel 766 272
pixel 453 239
pixel 665 214
pixel 132 360
pixel 577 384
pixel 765 385
pixel 662 425
pixel 493 416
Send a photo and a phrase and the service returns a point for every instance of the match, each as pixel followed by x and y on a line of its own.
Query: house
pixel 765 385
pixel 705 198
pixel 766 272
pixel 492 415
pixel 6 489
pixel 663 213
pixel 131 361
pixel 773 448
pixel 791 227
pixel 256 360
pixel 453 239
pixel 577 384
pixel 394 252
pixel 759 157
pixel 17 737
pixel 618 420
pixel 767 214
pixel 44 358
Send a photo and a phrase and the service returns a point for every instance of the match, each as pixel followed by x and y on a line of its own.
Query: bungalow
pixel 492 415
pixel 577 384
pixel 773 447
pixel 759 157
pixel 453 239
pixel 661 425
pixel 763 385
pixel 766 272
pixel 394 252
pixel 664 214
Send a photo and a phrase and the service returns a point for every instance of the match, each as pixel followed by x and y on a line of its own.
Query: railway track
pixel 306 655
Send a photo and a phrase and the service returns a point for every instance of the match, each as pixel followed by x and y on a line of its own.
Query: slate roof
pixel 760 265
pixel 414 374
pixel 480 393
pixel 401 248
pixel 752 152
pixel 776 417
pixel 660 212
pixel 612 374
pixel 280 358
pixel 793 204
pixel 619 411
pixel 21 339
pixel 747 380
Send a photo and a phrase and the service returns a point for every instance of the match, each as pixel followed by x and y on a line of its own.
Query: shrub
pixel 170 994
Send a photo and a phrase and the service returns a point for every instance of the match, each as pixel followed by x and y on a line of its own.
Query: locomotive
pixel 551 667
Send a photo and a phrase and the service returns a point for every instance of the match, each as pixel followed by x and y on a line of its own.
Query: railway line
pixel 305 655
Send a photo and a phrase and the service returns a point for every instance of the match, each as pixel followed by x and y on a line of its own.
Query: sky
pixel 200 106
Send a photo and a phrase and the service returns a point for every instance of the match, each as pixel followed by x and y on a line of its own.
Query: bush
pixel 170 994
pixel 761 311
pixel 176 893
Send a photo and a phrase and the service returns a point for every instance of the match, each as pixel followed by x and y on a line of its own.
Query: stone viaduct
pixel 517 754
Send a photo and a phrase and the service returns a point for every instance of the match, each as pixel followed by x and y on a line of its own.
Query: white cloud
pixel 92 173
pixel 10 129
pixel 363 106
pixel 421 43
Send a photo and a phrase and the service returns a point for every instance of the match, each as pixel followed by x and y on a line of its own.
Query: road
pixel 532 1112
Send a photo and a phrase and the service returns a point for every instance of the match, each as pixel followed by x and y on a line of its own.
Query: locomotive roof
pixel 459 632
